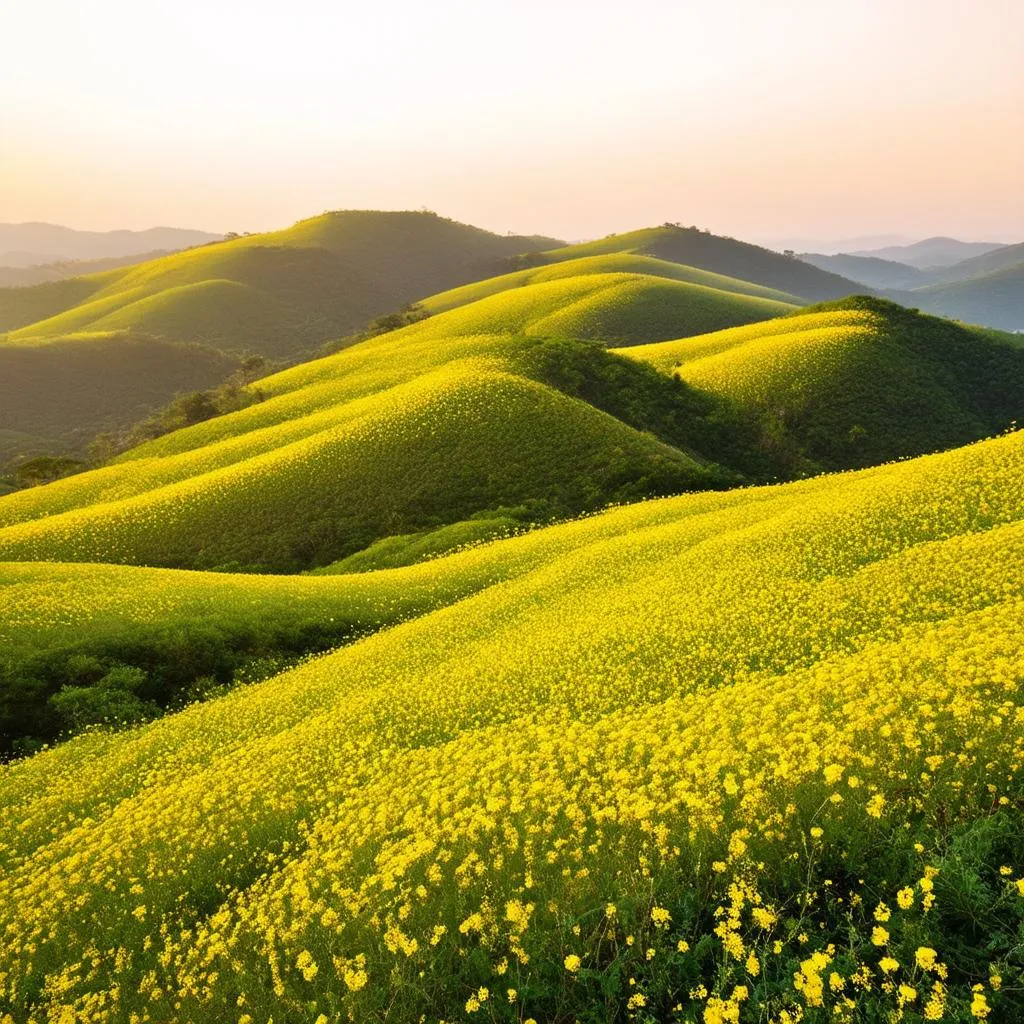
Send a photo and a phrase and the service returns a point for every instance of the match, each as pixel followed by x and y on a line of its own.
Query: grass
pixel 856 383
pixel 351 433
pixel 612 263
pixel 752 752
pixel 440 448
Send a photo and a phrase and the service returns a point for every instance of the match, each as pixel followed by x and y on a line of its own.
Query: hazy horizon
pixel 765 121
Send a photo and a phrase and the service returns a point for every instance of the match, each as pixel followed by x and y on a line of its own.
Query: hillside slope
pixel 993 299
pixel 857 382
pixel 869 270
pixel 469 412
pixel 326 276
pixel 931 253
pixel 697 752
pixel 613 263
pixel 719 255
pixel 21 277
pixel 495 405
pixel 33 243
pixel 59 397
pixel 280 294
pixel 996 259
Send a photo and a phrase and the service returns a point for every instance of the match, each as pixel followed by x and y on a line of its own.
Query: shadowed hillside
pixel 319 279
pixel 472 411
pixel 994 299
pixel 22 277
pixel 869 270
pixel 59 397
pixel 719 255
pixel 34 243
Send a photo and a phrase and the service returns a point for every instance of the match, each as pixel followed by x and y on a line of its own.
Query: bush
pixel 112 700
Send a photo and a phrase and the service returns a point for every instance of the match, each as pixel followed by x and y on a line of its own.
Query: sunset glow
pixel 826 119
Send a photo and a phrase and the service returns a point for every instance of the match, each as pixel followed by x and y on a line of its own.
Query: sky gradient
pixel 765 119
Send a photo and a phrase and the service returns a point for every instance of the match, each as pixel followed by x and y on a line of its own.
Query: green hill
pixel 728 751
pixel 478 410
pixel 58 397
pixel 453 443
pixel 871 271
pixel 390 436
pixel 993 299
pixel 857 382
pixel 326 276
pixel 613 263
pixel 997 259
pixel 279 294
pixel 727 256
pixel 21 277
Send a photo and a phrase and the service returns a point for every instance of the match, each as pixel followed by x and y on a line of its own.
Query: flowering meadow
pixel 741 756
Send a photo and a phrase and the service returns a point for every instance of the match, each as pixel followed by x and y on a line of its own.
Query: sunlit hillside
pixel 856 382
pixel 613 263
pixel 423 426
pixel 280 294
pixel 319 279
pixel 751 752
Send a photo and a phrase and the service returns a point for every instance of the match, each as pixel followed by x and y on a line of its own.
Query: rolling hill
pixel 857 382
pixel 278 294
pixel 876 273
pixel 995 299
pixel 718 751
pixel 320 279
pixel 21 277
pixel 470 411
pixel 497 404
pixel 1002 258
pixel 612 263
pixel 59 397
pixel 718 255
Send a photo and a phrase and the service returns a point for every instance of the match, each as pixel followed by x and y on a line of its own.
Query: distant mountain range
pixel 985 285
pixel 34 243
pixel 931 252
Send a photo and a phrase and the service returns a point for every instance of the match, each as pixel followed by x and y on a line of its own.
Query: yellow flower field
pixel 742 756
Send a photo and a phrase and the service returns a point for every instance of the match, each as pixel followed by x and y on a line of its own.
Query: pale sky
pixel 756 118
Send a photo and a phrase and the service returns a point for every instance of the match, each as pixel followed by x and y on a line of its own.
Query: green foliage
pixel 855 383
pixel 44 469
pixel 110 700
pixel 410 548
